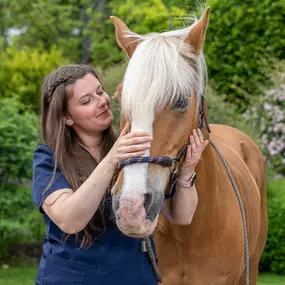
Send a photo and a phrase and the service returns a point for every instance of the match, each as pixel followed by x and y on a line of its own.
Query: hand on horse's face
pixel 129 145
pixel 193 154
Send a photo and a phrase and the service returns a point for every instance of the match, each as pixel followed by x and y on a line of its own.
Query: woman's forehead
pixel 86 85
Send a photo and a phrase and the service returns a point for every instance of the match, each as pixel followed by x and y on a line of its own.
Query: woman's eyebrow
pixel 100 86
pixel 88 94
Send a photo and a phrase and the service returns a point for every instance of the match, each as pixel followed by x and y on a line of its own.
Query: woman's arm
pixel 181 208
pixel 72 211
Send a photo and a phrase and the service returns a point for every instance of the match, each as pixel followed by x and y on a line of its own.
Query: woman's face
pixel 89 106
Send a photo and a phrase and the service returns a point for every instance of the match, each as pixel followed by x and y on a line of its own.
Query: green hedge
pixel 22 72
pixel 273 258
pixel 242 39
pixel 19 136
pixel 20 220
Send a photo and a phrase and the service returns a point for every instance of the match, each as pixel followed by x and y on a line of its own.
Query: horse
pixel 162 93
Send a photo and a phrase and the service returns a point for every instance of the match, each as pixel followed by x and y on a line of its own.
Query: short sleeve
pixel 43 166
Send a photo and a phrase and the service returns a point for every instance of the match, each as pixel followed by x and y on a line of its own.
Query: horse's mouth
pixel 150 227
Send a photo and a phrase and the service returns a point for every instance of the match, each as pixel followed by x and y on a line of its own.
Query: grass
pixel 26 276
pixel 268 279
pixel 18 276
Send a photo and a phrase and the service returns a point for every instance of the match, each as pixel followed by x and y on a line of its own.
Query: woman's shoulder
pixel 43 155
pixel 43 148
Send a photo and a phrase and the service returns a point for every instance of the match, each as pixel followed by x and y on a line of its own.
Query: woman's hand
pixel 129 145
pixel 193 155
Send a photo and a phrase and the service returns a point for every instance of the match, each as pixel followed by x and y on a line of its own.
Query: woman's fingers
pixel 199 141
pixel 132 144
pixel 193 145
pixel 125 130
pixel 134 148
pixel 200 135
pixel 136 140
pixel 136 134
pixel 195 148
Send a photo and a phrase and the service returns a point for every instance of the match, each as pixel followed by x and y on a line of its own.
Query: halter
pixel 171 162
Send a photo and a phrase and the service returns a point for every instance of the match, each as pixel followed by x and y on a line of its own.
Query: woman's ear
pixel 68 121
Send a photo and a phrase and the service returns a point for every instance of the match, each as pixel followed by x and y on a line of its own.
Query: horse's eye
pixel 181 104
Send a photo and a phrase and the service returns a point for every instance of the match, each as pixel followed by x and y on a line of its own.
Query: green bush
pixel 22 71
pixel 20 220
pixel 273 258
pixel 19 136
pixel 267 116
pixel 221 112
pixel 141 17
pixel 242 38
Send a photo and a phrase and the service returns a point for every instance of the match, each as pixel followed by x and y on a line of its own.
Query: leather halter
pixel 171 162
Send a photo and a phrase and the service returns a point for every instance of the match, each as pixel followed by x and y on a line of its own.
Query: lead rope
pixel 146 247
pixel 246 255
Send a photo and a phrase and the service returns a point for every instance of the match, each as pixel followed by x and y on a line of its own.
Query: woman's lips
pixel 103 113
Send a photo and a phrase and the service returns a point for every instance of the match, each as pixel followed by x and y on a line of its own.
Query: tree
pixel 44 24
pixel 22 71
pixel 142 17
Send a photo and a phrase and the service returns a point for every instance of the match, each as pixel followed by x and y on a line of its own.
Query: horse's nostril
pixel 148 199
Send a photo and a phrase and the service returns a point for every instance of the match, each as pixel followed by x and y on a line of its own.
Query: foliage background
pixel 245 50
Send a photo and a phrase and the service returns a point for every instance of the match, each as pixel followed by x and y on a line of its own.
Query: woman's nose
pixel 101 102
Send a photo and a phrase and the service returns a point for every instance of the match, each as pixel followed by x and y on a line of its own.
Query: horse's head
pixel 161 93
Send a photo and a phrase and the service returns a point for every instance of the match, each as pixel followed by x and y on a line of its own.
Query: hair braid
pixel 61 80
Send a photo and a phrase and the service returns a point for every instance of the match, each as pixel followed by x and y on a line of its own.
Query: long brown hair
pixel 75 163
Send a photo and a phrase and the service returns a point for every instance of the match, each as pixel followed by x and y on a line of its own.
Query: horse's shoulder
pixel 237 140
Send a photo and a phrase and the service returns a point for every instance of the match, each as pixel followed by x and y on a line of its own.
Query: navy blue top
pixel 113 258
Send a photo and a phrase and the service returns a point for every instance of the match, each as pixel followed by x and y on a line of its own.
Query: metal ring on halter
pixel 174 165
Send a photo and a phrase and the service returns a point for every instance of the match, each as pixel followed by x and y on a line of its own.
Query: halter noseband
pixel 166 161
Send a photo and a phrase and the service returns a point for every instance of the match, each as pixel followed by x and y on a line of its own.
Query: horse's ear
pixel 123 37
pixel 118 92
pixel 196 35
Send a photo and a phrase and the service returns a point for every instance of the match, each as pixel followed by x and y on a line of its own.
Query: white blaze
pixel 136 175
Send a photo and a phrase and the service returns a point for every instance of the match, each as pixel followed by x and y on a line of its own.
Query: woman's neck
pixel 91 143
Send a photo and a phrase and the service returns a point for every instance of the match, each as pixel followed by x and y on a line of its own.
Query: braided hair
pixel 75 163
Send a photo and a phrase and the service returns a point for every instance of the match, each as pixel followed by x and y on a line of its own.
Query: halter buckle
pixel 175 174
pixel 174 169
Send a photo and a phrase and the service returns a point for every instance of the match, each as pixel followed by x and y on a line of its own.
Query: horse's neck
pixel 207 173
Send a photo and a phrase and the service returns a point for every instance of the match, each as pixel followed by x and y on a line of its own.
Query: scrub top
pixel 112 259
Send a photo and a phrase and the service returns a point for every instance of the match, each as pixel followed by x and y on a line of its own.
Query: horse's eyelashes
pixel 181 104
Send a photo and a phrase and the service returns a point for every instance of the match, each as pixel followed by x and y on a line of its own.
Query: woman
pixel 72 175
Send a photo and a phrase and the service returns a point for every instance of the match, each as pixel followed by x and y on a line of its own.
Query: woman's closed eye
pixel 101 91
pixel 86 100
